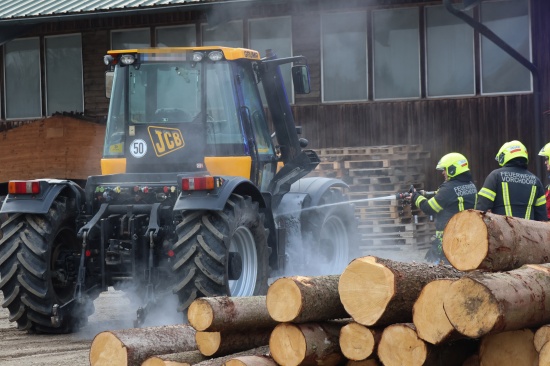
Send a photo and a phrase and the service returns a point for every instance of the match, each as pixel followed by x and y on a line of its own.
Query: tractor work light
pixel 197 184
pixel 197 56
pixel 215 55
pixel 24 187
pixel 127 59
pixel 108 60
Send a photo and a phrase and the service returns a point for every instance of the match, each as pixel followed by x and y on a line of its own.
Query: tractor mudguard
pixel 315 187
pixel 215 200
pixel 41 202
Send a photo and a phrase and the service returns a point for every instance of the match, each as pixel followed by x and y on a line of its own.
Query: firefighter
pixel 545 152
pixel 512 190
pixel 455 194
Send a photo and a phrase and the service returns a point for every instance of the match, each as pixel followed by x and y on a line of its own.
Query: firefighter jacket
pixel 454 195
pixel 548 201
pixel 513 191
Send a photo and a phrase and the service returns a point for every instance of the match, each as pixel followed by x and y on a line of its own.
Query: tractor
pixel 200 194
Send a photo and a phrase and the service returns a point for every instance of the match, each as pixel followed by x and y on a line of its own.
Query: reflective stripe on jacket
pixel 513 191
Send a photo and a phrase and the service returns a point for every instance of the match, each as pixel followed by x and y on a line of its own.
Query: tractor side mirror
pixel 109 77
pixel 300 77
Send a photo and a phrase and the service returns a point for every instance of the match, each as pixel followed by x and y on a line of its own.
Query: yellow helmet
pixel 511 150
pixel 545 151
pixel 454 164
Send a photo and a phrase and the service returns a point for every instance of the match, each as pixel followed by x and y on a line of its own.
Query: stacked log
pixel 376 310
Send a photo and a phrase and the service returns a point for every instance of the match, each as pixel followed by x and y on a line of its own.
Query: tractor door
pixel 256 126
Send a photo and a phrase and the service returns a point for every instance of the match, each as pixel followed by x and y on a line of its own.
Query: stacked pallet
pixel 375 174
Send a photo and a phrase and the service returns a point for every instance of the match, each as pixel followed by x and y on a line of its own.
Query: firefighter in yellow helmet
pixel 545 152
pixel 455 194
pixel 512 190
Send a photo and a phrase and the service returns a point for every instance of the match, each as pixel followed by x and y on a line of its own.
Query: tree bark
pixel 400 345
pixel 306 344
pixel 216 344
pixel 259 351
pixel 133 346
pixel 305 299
pixel 377 291
pixel 485 303
pixel 251 361
pixel 429 318
pixel 359 342
pixel 483 240
pixel 222 313
pixel 175 359
pixel 508 348
pixel 542 335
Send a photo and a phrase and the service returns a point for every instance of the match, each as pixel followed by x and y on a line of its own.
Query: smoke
pixel 117 309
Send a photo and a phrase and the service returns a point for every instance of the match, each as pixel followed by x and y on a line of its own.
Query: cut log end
pixel 542 336
pixel 284 300
pixel 400 345
pixel 156 361
pixel 106 350
pixel 465 241
pixel 250 361
pixel 357 342
pixel 432 324
pixel 471 308
pixel 544 354
pixel 509 348
pixel 287 344
pixel 200 315
pixel 208 343
pixel 364 277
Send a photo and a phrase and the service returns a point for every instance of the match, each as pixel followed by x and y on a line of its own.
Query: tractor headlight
pixel 127 59
pixel 215 55
pixel 197 56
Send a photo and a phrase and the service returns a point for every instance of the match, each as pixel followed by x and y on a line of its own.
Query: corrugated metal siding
pixel 14 9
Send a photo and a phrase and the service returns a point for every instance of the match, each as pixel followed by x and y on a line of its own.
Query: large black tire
pixel 329 236
pixel 33 271
pixel 207 242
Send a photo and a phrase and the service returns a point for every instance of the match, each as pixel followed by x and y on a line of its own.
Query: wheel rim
pixel 243 243
pixel 333 246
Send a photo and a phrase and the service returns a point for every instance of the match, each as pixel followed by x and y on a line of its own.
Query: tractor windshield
pixel 175 92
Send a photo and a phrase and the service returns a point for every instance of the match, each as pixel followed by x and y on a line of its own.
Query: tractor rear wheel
pixel 329 235
pixel 38 267
pixel 221 252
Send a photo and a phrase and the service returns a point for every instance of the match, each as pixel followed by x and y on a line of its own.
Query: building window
pixel 22 78
pixel 344 56
pixel 396 50
pixel 274 34
pixel 449 54
pixel 64 74
pixel 181 36
pixel 501 73
pixel 229 34
pixel 127 39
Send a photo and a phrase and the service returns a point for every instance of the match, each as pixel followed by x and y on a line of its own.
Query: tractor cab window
pixel 197 97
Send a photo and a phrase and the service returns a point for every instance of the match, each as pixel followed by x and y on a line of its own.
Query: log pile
pixel 380 171
pixel 378 311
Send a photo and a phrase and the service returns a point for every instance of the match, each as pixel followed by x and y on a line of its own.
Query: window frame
pixel 46 83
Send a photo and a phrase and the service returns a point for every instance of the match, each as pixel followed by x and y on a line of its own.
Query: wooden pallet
pixel 375 175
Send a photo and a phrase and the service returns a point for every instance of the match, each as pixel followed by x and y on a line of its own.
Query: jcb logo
pixel 165 140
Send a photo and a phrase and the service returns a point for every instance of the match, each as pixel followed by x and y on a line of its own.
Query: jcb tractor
pixel 197 197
